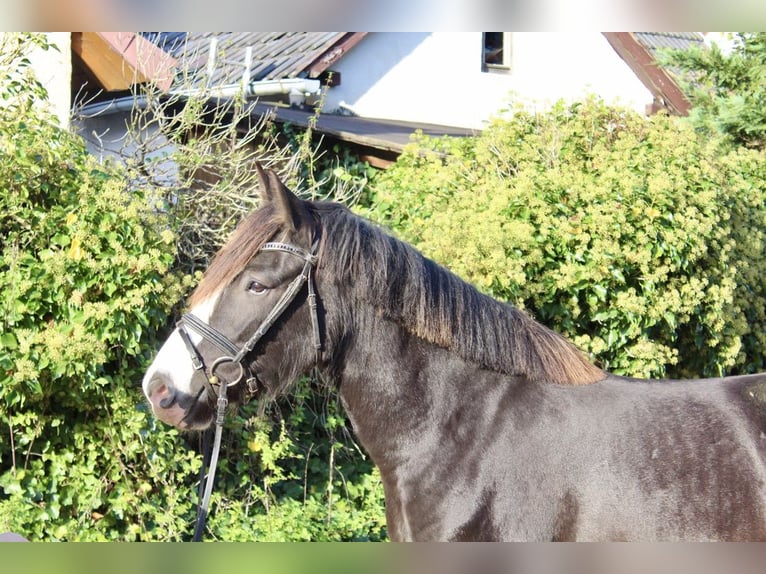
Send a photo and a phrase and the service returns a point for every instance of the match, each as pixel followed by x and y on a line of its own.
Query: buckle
pixel 197 362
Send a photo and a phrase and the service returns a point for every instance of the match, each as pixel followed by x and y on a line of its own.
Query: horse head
pixel 253 323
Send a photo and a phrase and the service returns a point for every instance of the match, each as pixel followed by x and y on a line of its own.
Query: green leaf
pixel 8 341
pixel 60 239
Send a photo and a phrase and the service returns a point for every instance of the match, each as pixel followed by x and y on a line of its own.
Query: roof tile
pixel 275 55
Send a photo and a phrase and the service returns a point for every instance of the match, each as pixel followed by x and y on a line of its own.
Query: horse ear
pixel 287 205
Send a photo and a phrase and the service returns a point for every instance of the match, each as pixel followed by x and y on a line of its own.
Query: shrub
pixel 296 475
pixel 629 235
pixel 84 288
pixel 89 274
pixel 726 88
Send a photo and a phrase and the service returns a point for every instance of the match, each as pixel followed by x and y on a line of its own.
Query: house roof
pixel 279 55
pixel 276 56
pixel 674 40
pixel 269 55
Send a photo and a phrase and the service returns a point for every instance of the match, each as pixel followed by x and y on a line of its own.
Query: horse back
pixel 690 464
pixel 628 459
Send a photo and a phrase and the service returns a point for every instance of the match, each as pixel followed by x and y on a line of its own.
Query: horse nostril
pixel 161 392
pixel 170 399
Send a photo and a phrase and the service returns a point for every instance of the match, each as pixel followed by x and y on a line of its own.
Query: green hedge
pixel 84 289
pixel 87 287
pixel 638 240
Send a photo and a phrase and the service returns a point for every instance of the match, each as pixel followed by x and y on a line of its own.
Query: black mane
pixel 439 307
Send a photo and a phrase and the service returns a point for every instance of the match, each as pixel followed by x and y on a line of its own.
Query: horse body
pixel 469 454
pixel 485 425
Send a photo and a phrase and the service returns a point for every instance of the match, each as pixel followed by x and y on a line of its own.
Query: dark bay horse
pixel 485 424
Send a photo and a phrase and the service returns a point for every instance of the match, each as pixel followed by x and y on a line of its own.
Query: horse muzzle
pixel 177 408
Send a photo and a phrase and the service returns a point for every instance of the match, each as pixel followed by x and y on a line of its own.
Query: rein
pixel 237 355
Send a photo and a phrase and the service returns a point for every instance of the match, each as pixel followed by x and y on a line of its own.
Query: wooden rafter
pixel 121 59
pixel 657 80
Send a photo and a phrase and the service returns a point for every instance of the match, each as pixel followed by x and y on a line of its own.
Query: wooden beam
pixel 336 51
pixel 657 80
pixel 121 59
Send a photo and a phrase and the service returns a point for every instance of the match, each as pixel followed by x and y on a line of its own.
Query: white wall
pixel 437 77
pixel 54 70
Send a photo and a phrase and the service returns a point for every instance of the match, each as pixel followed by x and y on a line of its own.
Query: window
pixel 496 51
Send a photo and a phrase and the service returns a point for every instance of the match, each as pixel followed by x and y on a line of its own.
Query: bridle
pixel 238 356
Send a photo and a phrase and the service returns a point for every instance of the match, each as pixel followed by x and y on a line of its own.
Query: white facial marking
pixel 173 360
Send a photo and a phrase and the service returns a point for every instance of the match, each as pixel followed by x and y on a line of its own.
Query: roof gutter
pixel 297 89
pixel 123 104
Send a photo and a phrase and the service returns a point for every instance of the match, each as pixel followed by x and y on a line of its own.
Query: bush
pixel 629 235
pixel 84 288
pixel 296 475
pixel 726 88
pixel 88 281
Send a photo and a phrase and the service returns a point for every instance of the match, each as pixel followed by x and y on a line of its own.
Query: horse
pixel 485 424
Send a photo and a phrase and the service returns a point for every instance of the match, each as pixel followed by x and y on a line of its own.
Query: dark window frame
pixel 496 51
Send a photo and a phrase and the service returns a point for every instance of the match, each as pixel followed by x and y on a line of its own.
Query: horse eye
pixel 257 288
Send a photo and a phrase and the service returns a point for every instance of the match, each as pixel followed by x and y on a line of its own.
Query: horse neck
pixel 397 389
